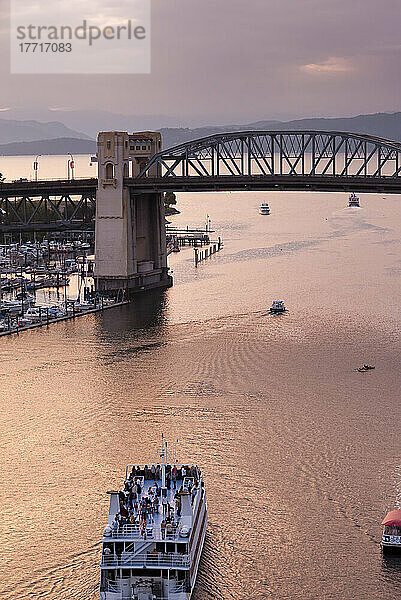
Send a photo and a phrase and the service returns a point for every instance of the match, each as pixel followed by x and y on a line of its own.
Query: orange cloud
pixel 331 65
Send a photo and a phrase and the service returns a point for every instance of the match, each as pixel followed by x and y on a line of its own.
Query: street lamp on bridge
pixel 36 166
pixel 71 166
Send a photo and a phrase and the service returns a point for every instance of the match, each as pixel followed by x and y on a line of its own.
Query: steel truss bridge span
pixel 54 205
pixel 321 160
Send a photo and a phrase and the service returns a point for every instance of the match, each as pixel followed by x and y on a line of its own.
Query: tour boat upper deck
pixel 155 532
pixel 139 509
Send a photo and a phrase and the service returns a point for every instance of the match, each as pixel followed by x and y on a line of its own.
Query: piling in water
pixel 206 251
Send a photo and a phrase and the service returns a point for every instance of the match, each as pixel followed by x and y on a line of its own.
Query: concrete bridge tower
pixel 130 240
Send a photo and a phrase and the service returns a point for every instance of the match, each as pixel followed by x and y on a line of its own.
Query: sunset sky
pixel 233 61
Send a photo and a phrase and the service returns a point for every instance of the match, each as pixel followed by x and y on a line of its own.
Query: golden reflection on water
pixel 299 451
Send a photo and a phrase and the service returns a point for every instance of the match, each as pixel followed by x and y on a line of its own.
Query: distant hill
pixel 172 136
pixel 381 124
pixel 386 125
pixel 57 146
pixel 27 131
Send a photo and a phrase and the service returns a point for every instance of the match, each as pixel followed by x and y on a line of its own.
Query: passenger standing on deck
pixel 183 472
pixel 174 476
pixel 138 489
pixel 163 529
pixel 178 504
pixel 170 510
pixel 153 472
pixel 164 503
pixel 143 528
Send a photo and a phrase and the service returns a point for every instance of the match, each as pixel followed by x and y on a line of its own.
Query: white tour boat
pixel 277 306
pixel 155 534
pixel 391 539
pixel 353 200
pixel 264 209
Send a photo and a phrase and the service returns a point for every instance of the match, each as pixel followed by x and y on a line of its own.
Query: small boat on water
pixel 353 200
pixel 156 529
pixel 391 539
pixel 365 368
pixel 264 209
pixel 277 306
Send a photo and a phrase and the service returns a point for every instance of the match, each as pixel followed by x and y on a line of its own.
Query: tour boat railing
pixel 115 588
pixel 173 559
pixel 112 587
pixel 136 532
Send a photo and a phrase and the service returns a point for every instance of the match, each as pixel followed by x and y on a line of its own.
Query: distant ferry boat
pixel 155 534
pixel 278 306
pixel 391 539
pixel 353 200
pixel 264 209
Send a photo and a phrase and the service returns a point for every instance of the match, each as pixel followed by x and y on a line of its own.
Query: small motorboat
pixel 391 539
pixel 264 209
pixel 365 368
pixel 277 307
pixel 353 200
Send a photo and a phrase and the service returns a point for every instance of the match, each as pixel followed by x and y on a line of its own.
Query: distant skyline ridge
pixel 88 122
pixel 32 137
pixel 12 130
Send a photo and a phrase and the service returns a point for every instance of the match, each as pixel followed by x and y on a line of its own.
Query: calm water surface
pixel 300 453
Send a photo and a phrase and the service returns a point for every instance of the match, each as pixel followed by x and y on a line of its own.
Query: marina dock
pixel 46 321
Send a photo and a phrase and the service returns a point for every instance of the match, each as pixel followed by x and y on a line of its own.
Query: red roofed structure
pixel 393 518
pixel 391 539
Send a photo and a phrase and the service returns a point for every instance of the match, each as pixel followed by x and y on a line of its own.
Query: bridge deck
pixel 318 183
pixel 49 187
pixel 315 183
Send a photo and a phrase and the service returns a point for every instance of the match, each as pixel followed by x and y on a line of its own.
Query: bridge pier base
pixel 130 250
pixel 131 286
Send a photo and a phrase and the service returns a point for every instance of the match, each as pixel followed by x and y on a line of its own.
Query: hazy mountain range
pixel 26 131
pixel 35 137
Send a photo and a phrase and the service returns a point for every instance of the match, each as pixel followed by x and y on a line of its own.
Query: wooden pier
pixel 178 238
pixel 201 254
